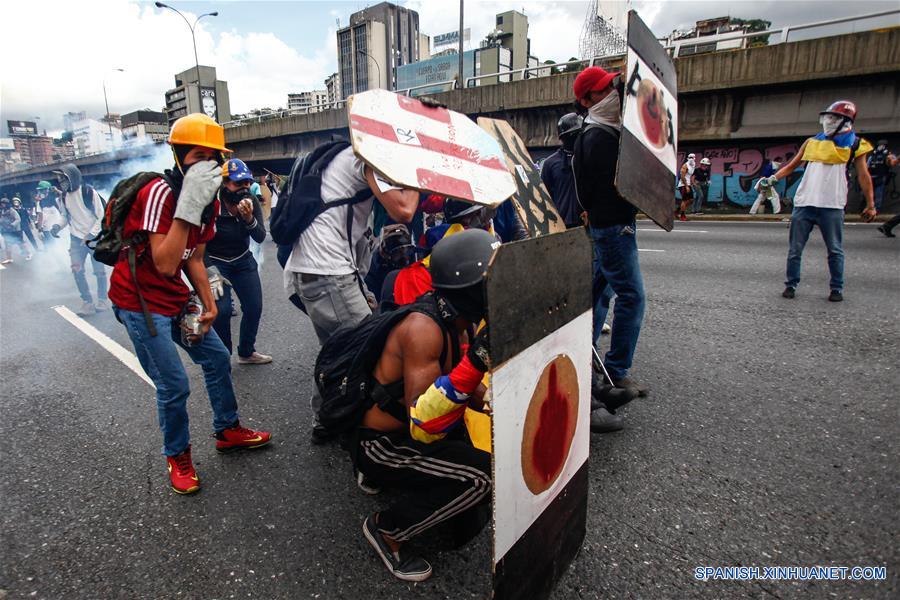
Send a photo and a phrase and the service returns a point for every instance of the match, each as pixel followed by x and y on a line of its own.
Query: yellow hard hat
pixel 198 129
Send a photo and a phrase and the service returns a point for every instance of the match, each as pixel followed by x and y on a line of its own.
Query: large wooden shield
pixel 645 175
pixel 428 149
pixel 539 311
pixel 532 200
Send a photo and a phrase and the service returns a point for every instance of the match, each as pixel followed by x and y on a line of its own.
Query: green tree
pixel 573 68
pixel 553 70
pixel 753 25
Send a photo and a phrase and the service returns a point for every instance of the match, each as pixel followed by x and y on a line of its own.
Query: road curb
pixel 779 218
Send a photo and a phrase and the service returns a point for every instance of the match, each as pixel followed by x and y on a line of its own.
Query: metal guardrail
pixel 450 82
pixel 674 47
pixel 592 62
pixel 785 31
pixel 280 114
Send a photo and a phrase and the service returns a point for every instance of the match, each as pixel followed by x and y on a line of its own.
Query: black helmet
pixel 396 245
pixel 460 260
pixel 570 123
pixel 454 209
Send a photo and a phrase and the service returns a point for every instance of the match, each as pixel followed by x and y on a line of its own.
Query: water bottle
pixel 190 322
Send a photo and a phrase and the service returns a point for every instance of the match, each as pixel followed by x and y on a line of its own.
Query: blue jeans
pixel 243 274
pixel 831 224
pixel 159 358
pixel 878 185
pixel 78 253
pixel 700 190
pixel 616 264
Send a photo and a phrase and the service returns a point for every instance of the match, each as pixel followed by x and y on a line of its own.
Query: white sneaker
pixel 255 359
pixel 605 329
pixel 102 305
pixel 86 309
pixel 29 257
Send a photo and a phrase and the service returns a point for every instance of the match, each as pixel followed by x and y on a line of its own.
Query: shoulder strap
pixel 610 130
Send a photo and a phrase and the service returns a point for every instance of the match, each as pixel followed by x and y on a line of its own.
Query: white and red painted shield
pixel 429 149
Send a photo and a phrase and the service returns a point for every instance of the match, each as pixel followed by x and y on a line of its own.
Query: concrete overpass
pixel 766 92
pixel 758 96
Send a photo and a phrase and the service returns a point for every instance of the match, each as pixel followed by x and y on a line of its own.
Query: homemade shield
pixel 532 200
pixel 428 149
pixel 646 171
pixel 540 336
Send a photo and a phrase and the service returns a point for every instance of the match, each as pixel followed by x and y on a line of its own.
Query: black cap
pixel 454 209
pixel 461 260
pixel 569 123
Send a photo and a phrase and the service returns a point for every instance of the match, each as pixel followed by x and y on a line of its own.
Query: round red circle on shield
pixel 550 424
pixel 652 112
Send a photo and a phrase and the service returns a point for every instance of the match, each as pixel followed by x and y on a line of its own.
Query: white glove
pixel 217 283
pixel 201 183
pixel 771 180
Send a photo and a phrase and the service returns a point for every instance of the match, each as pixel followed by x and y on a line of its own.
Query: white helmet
pixel 691 156
pixel 704 161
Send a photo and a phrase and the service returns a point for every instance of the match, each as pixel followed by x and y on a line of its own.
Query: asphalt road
pixel 770 438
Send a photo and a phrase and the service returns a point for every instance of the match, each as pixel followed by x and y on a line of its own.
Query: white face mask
pixel 830 124
pixel 692 163
pixel 776 165
pixel 606 112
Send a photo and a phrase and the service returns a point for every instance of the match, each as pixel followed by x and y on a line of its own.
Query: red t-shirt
pixel 412 282
pixel 153 212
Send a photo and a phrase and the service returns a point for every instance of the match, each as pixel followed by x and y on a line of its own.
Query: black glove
pixel 479 352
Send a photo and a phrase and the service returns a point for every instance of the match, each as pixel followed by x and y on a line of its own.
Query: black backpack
pixel 343 370
pixel 110 245
pixel 301 202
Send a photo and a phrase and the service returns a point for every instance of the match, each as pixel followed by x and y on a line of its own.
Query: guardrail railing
pixel 673 47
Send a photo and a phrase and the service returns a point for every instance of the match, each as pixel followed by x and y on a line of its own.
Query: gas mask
pixel 467 302
pixel 233 198
pixel 832 124
pixel 64 184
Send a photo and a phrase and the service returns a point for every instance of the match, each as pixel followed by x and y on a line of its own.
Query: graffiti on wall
pixel 734 170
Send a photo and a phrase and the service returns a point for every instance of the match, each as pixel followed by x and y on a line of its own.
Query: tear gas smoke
pixel 159 160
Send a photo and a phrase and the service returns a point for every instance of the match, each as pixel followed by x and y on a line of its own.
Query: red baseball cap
pixel 592 79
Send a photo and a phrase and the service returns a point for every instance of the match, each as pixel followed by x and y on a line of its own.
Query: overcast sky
pixel 57 54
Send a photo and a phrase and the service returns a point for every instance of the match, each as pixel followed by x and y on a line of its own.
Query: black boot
pixel 604 422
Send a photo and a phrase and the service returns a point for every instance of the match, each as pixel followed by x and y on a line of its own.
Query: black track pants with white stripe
pixel 446 479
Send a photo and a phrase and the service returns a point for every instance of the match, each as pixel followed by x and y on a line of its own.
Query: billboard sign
pixel 208 100
pixel 22 127
pixel 451 38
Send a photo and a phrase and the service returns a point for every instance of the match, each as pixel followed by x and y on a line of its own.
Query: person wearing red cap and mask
pixel 611 223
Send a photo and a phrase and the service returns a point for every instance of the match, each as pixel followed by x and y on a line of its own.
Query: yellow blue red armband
pixel 437 411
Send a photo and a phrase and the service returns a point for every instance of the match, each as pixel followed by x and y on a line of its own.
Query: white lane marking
pixel 2 267
pixel 678 230
pixel 649 250
pixel 109 344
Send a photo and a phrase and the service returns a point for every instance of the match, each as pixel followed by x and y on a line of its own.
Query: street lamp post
pixel 194 40
pixel 363 52
pixel 106 102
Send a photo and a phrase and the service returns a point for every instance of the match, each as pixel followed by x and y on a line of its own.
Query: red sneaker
pixel 182 474
pixel 238 437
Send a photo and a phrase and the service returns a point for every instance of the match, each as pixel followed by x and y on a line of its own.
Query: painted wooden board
pixel 533 202
pixel 428 149
pixel 645 175
pixel 540 391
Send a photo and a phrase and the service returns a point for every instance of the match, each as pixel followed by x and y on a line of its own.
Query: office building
pixel 208 95
pixel 91 136
pixel 34 150
pixel 512 33
pixel 305 100
pixel 71 118
pixel 333 88
pixel 378 41
pixel 144 127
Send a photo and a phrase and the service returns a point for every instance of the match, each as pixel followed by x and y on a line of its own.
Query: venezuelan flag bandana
pixel 836 150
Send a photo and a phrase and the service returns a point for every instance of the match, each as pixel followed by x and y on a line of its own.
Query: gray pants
pixel 78 253
pixel 332 302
